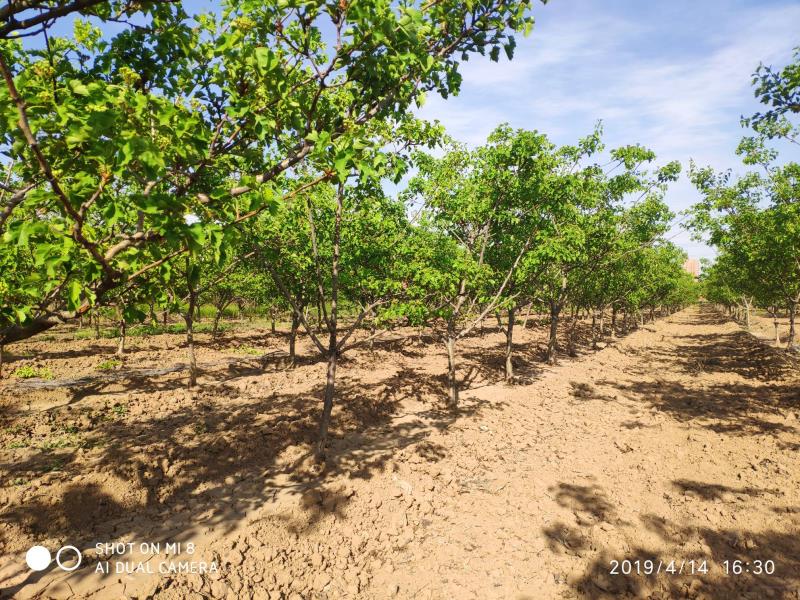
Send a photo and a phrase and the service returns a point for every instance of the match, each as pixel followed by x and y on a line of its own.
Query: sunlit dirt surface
pixel 676 443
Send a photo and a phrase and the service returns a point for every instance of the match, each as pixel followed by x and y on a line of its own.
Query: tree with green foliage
pixel 210 116
pixel 483 209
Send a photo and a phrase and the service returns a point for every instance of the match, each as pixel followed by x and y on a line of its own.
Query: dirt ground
pixel 676 444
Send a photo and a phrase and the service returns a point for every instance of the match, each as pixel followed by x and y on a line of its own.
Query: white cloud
pixel 664 75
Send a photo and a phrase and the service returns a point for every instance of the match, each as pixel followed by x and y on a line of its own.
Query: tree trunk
pixel 153 317
pixel 452 379
pixel 189 318
pixel 510 344
pixel 792 312
pixel 327 403
pixel 1 361
pixel 165 317
pixel 552 343
pixel 571 339
pixel 527 314
pixel 217 316
pixel 602 321
pixel 774 314
pixel 123 331
pixel 747 315
pixel 293 339
pixel 613 321
pixel 333 350
pixel 96 319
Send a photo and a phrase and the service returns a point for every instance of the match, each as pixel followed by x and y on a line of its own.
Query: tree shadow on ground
pixel 759 404
pixel 208 459
pixel 724 408
pixel 653 576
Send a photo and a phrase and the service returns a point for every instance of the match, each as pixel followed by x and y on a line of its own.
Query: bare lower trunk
pixel 293 339
pixel 123 331
pixel 215 329
pixel 792 312
pixel 333 324
pixel 272 325
pixel 774 314
pixel 327 403
pixel 452 379
pixel 1 361
pixel 510 344
pixel 165 317
pixel 552 343
pixel 602 321
pixel 613 321
pixel 571 338
pixel 527 314
pixel 96 319
pixel 190 347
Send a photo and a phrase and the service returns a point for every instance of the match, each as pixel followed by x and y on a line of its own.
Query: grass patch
pixel 29 372
pixel 249 350
pixel 109 365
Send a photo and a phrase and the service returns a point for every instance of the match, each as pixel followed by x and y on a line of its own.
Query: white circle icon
pixel 38 558
pixel 58 558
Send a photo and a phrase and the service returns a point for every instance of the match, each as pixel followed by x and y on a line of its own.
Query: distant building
pixel 692 266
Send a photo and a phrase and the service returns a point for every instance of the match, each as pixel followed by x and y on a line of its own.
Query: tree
pixel 115 154
pixel 482 212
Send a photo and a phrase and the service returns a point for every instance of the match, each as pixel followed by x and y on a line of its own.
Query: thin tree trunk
pixel 792 312
pixel 527 314
pixel 189 319
pixel 452 379
pixel 552 342
pixel 571 340
pixel 333 351
pixel 1 361
pixel 327 403
pixel 96 319
pixel 165 317
pixel 293 339
pixel 217 316
pixel 774 314
pixel 747 316
pixel 123 331
pixel 510 344
pixel 602 321
pixel 613 321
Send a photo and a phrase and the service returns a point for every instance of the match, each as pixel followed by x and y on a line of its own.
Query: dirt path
pixel 677 443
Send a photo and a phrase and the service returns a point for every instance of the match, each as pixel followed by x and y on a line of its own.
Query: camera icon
pixel 39 558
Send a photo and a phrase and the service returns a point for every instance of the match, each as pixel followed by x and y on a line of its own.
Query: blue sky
pixel 672 75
